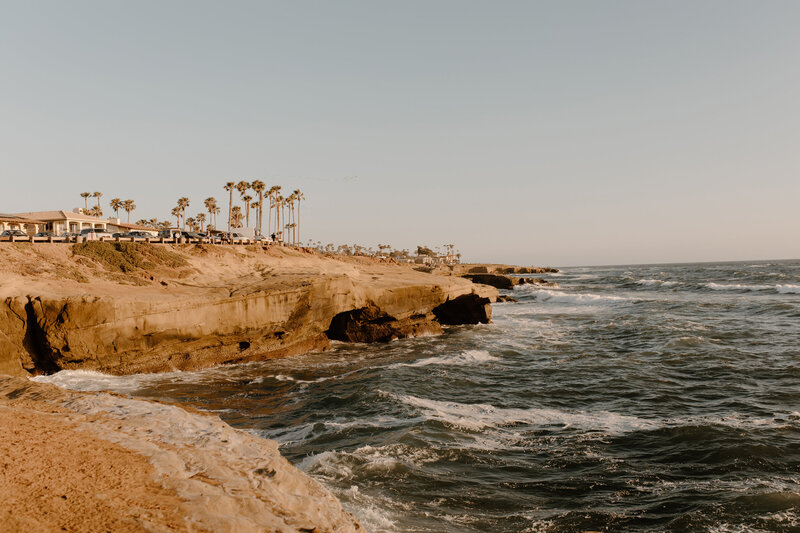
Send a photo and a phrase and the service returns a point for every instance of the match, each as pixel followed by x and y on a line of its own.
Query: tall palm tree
pixel 201 218
pixel 115 204
pixel 247 199
pixel 217 210
pixel 273 195
pixel 229 186
pixel 153 222
pixel 85 196
pixel 129 206
pixel 211 206
pixel 256 206
pixel 298 197
pixel 278 208
pixel 183 203
pixel 176 212
pixel 242 187
pixel 97 195
pixel 258 187
pixel 192 223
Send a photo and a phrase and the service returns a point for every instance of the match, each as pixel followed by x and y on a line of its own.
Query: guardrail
pixel 148 240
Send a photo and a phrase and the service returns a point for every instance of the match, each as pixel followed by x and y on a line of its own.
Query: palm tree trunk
pixel 298 219
pixel 230 202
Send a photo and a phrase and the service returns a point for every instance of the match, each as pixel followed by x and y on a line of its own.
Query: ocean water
pixel 631 398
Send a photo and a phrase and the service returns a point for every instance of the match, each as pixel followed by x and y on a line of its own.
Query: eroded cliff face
pixel 274 306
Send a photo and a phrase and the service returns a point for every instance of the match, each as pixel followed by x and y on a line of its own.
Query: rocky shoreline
pixel 123 308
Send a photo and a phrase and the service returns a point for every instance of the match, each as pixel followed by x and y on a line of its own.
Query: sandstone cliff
pixel 127 309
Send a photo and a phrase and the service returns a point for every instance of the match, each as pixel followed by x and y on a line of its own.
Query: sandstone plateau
pixel 123 308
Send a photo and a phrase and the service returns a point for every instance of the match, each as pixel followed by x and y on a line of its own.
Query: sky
pixel 548 133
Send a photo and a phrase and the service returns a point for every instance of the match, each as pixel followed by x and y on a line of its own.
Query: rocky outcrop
pixel 466 309
pixel 371 324
pixel 493 280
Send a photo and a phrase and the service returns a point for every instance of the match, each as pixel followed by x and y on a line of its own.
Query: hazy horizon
pixel 577 133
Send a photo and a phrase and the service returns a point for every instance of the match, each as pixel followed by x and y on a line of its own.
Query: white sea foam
pixel 656 282
pixel 465 358
pixel 788 289
pixel 561 297
pixel 480 416
pixel 782 289
pixel 90 380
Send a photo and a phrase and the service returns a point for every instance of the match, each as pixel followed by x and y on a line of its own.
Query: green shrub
pixel 128 256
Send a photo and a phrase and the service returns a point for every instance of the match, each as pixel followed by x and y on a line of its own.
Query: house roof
pixel 127 225
pixel 18 219
pixel 59 215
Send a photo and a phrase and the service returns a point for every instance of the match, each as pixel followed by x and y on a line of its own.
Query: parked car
pixel 13 233
pixel 237 237
pixel 45 234
pixel 69 235
pixel 95 234
pixel 141 234
pixel 121 235
pixel 169 233
pixel 191 235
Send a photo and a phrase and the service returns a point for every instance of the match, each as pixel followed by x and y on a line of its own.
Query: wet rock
pixel 466 309
pixel 495 280
pixel 371 324
pixel 502 298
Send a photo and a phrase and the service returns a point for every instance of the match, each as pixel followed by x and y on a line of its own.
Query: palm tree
pixel 298 196
pixel 211 206
pixel 201 218
pixel 128 206
pixel 192 223
pixel 153 222
pixel 242 187
pixel 258 186
pixel 247 199
pixel 183 203
pixel 176 212
pixel 256 206
pixel 236 216
pixel 85 196
pixel 278 208
pixel 216 211
pixel 97 195
pixel 229 186
pixel 142 222
pixel 273 195
pixel 115 204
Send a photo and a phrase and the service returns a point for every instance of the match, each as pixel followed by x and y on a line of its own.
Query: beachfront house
pixel 29 226
pixel 59 221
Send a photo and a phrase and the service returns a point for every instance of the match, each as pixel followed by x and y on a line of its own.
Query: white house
pixel 60 221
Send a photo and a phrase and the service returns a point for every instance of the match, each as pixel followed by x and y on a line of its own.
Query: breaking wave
pixel 781 289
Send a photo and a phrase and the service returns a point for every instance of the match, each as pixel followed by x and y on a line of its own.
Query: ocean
pixel 628 398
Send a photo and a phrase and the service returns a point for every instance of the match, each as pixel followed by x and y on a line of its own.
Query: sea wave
pixel 93 381
pixel 561 297
pixel 736 287
pixel 476 417
pixel 656 282
pixel 465 358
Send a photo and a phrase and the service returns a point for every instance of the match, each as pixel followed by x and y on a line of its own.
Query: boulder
pixel 466 309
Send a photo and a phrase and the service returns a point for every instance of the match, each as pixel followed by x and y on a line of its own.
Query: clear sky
pixel 559 133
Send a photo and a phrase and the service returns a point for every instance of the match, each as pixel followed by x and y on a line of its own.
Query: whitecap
pixel 656 282
pixel 465 358
pixel 92 381
pixel 477 417
pixel 788 289
pixel 550 296
pixel 737 287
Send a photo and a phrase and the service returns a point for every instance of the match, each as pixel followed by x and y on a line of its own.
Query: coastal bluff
pixel 123 308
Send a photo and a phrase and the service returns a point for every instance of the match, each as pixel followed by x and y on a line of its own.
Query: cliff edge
pixel 122 308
